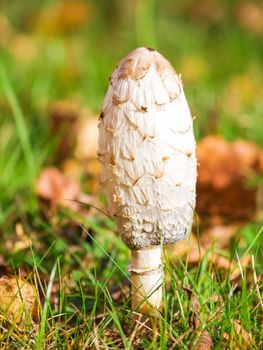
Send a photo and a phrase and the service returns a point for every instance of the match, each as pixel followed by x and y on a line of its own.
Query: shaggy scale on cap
pixel 147 151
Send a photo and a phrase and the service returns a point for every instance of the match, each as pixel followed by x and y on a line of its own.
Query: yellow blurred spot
pixel 24 48
pixel 243 90
pixel 192 68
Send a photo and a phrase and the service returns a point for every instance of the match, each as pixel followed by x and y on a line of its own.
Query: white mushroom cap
pixel 147 151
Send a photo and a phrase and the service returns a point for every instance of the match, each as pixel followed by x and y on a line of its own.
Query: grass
pixel 82 280
pixel 82 312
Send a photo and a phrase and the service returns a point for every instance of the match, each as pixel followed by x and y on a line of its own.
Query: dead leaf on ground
pixel 242 334
pixel 55 189
pixel 120 292
pixel 193 253
pixel 219 236
pixel 222 181
pixel 217 163
pixel 204 340
pixel 250 16
pixel 194 308
pixel 19 240
pixel 18 300
pixel 248 156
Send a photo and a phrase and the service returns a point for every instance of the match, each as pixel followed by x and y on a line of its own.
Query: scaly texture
pixel 147 151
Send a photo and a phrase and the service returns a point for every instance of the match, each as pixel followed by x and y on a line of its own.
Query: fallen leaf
pixel 55 189
pixel 243 334
pixel 194 307
pixel 223 174
pixel 226 336
pixel 195 255
pixel 217 163
pixel 20 241
pixel 250 16
pixel 18 300
pixel 248 156
pixel 120 292
pixel 219 236
pixel 204 342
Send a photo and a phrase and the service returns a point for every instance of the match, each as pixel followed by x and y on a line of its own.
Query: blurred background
pixel 55 61
pixel 56 58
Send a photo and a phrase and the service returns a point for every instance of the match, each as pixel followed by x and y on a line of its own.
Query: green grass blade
pixel 19 120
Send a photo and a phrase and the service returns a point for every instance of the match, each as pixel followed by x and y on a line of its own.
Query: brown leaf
pixel 118 292
pixel 55 189
pixel 250 16
pixel 223 172
pixel 194 307
pixel 195 255
pixel 204 342
pixel 243 334
pixel 18 299
pixel 217 163
pixel 219 235
pixel 248 155
pixel 19 241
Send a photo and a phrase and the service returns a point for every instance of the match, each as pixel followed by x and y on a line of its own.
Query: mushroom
pixel 147 152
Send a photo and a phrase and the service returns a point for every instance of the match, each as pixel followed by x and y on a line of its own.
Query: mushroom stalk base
pixel 147 276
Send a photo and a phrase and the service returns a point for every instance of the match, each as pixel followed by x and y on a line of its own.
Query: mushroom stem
pixel 147 275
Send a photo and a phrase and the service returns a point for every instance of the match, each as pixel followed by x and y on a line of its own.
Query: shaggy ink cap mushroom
pixel 147 151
